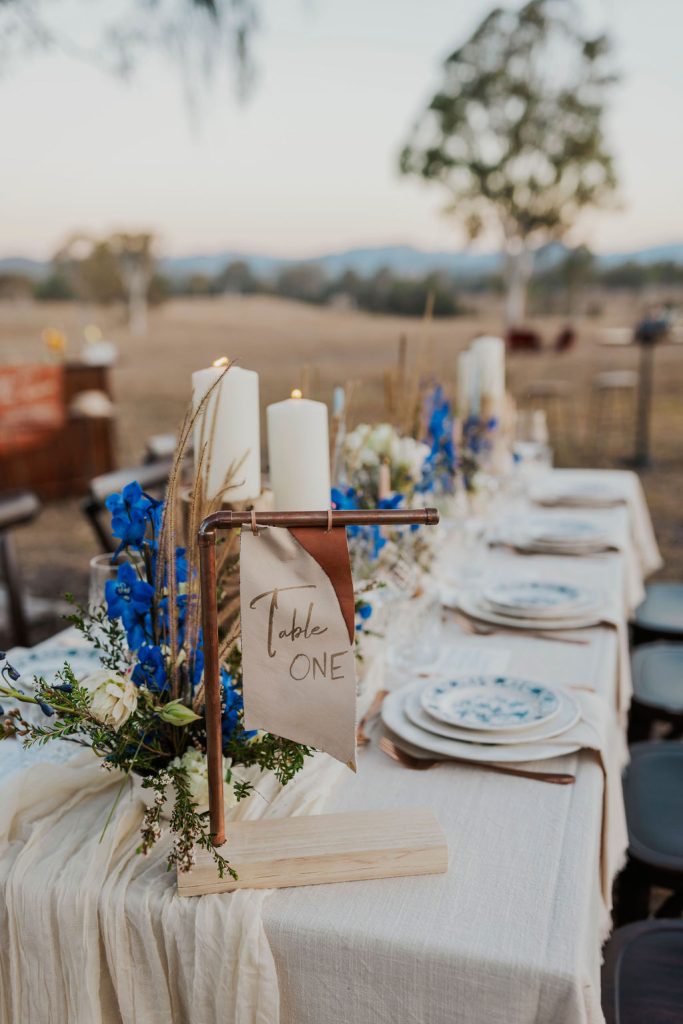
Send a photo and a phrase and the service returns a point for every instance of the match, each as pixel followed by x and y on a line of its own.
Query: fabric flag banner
pixel 298 626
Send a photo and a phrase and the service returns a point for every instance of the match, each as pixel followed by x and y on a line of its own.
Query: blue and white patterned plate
pixel 488 703
pixel 535 597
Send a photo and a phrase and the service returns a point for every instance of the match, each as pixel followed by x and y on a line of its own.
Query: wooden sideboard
pixel 60 461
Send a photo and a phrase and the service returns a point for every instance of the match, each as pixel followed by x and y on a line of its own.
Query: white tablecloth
pixel 510 934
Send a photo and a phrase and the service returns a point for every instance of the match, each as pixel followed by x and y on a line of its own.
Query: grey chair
pixel 660 615
pixel 16 509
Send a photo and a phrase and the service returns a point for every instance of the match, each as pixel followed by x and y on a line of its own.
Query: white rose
pixel 197 769
pixel 113 698
pixel 382 438
pixel 410 455
pixel 357 438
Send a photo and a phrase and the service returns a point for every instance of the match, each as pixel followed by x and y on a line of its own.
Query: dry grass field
pixel 284 341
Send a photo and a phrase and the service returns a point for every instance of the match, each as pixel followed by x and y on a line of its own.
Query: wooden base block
pixel 313 849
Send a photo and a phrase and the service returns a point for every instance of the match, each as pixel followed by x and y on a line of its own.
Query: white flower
pixel 381 439
pixel 197 770
pixel 410 455
pixel 113 698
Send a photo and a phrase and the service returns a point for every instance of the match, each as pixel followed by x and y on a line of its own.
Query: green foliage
pixel 382 292
pixel 120 38
pixel 54 288
pixel 515 132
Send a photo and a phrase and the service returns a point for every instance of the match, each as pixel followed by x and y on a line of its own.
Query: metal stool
pixel 16 509
pixel 653 795
pixel 614 396
pixel 642 974
pixel 660 615
pixel 657 671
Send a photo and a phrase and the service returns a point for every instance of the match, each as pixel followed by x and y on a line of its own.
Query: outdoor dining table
pixel 511 934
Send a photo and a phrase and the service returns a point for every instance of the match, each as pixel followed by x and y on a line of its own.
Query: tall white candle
pixel 299 453
pixel 489 356
pixel 229 425
pixel 465 383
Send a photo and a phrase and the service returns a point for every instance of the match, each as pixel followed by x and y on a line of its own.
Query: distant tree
pixel 515 133
pixel 114 269
pixel 53 288
pixel 15 286
pixel 191 33
pixel 135 256
pixel 237 279
pixel 304 281
pixel 567 278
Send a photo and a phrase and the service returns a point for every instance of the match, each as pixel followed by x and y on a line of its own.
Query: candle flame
pixel 223 361
pixel 296 393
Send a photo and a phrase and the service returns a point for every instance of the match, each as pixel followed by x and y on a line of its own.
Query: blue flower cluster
pixel 233 705
pixel 144 613
pixel 441 465
pixel 131 513
pixel 476 434
pixel 370 538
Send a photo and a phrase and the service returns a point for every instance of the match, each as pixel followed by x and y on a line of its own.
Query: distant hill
pixel 403 260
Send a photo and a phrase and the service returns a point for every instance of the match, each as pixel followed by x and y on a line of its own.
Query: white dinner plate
pixel 426 743
pixel 567 716
pixel 472 605
pixel 576 493
pixel 537 598
pixel 530 546
pixel 490 703
pixel 565 531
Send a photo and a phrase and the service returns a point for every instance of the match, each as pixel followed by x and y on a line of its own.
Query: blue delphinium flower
pixel 131 510
pixel 150 670
pixel 233 705
pixel 130 599
pixel 440 466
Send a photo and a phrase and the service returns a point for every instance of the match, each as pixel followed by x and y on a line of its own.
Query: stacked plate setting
pixel 534 604
pixel 554 535
pixel 494 719
pixel 576 493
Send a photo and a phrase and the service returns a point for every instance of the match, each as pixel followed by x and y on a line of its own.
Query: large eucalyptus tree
pixel 515 134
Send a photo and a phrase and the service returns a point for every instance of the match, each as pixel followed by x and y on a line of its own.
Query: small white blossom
pixel 113 698
pixel 197 770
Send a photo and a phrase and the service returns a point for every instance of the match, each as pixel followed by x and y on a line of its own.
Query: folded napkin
pixel 597 732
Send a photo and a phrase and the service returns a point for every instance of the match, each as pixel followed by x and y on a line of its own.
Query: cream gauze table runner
pixel 92 934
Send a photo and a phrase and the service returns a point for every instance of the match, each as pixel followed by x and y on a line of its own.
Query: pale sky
pixel 308 164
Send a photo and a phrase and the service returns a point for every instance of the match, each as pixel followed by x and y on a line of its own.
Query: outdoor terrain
pixel 288 343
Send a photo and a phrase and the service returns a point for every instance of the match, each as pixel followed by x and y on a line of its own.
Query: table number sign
pixel 297 614
pixel 299 682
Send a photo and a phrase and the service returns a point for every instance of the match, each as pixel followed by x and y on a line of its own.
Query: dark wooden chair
pixel 152 477
pixel 653 795
pixel 642 974
pixel 657 671
pixel 660 615
pixel 16 509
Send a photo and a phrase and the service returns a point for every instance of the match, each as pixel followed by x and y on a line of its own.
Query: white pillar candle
pixel 489 356
pixel 229 425
pixel 465 385
pixel 299 453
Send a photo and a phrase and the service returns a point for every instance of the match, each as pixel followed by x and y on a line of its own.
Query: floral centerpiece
pixel 142 712
pixel 382 469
